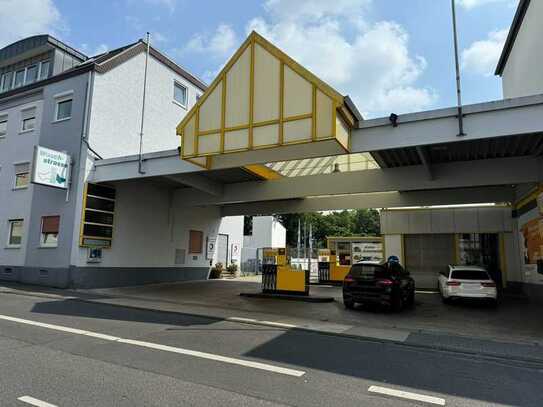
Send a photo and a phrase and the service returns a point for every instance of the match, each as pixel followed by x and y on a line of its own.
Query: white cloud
pixel 33 17
pixel 220 44
pixel 471 4
pixel 482 56
pixel 369 61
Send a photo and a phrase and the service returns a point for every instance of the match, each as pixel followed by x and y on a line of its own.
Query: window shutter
pixel 196 240
pixel 50 224
pixel 28 113
pixel 23 167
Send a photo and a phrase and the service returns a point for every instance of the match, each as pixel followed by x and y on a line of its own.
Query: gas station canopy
pixel 263 99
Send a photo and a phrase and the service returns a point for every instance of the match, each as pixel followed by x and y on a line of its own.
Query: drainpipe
pixel 457 65
pixel 140 165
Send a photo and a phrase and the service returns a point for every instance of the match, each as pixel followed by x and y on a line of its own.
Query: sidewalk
pixel 225 306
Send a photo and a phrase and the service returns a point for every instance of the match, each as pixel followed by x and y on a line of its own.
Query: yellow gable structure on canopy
pixel 262 99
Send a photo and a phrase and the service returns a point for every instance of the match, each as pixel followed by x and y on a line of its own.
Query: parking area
pixel 515 320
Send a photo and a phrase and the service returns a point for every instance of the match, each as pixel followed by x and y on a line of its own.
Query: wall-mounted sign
pixel 51 168
pixel 235 252
pixel 98 215
pixel 210 251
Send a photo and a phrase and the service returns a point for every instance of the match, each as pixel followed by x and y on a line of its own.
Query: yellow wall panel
pixel 210 111
pixel 210 143
pixel 298 94
pixel 237 91
pixel 297 131
pixel 188 137
pixel 266 135
pixel 236 140
pixel 325 116
pixel 342 133
pixel 266 102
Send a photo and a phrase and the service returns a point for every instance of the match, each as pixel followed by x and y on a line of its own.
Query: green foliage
pixel 359 222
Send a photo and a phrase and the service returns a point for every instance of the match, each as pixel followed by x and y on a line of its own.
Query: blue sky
pixel 389 55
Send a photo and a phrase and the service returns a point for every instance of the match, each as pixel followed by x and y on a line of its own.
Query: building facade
pixel 91 108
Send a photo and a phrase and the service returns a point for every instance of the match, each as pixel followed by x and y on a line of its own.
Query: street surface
pixel 58 352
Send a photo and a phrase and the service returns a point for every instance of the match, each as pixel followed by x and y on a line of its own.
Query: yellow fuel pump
pixel 279 277
pixel 330 271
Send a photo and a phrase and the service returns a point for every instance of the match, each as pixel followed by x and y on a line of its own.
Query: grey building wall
pixel 48 265
pixel 16 147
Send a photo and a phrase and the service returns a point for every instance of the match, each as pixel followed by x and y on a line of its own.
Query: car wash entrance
pixel 426 255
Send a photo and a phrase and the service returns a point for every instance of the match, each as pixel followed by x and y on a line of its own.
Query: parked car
pixel 467 282
pixel 385 283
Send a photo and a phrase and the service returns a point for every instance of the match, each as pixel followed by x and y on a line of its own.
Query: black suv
pixel 385 283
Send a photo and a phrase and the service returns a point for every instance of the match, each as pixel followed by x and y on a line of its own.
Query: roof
pixel 101 63
pixel 461 267
pixel 113 58
pixel 26 44
pixel 512 36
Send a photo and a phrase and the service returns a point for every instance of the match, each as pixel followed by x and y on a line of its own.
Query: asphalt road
pixel 113 356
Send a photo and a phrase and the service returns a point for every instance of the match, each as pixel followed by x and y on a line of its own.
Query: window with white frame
pixel 44 69
pixel 180 93
pixel 31 74
pixel 19 78
pixel 28 119
pixel 6 81
pixel 3 126
pixel 22 175
pixel 15 232
pixel 49 231
pixel 63 110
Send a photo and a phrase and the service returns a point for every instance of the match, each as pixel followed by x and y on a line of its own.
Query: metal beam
pixel 500 171
pixel 483 120
pixel 425 159
pixel 379 200
pixel 199 182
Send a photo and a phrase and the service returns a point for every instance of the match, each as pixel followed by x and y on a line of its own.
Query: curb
pixel 287 297
pixel 278 325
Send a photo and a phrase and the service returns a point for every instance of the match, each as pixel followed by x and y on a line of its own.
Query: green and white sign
pixel 51 168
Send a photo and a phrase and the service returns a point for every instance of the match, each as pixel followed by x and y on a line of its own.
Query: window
pixel 63 109
pixel 28 121
pixel 31 74
pixel 49 231
pixel 180 94
pixel 5 81
pixel 15 236
pixel 467 274
pixel 22 175
pixel 3 126
pixel 44 69
pixel 196 240
pixel 19 78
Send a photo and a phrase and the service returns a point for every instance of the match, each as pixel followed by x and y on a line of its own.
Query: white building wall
pixel 453 220
pixel 233 227
pixel 267 232
pixel 117 102
pixel 523 75
pixel 394 247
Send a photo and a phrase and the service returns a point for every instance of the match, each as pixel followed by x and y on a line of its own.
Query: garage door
pixel 427 255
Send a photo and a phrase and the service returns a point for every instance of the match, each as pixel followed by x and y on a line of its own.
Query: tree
pixel 359 222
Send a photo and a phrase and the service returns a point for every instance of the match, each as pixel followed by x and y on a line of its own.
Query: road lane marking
pixel 35 402
pixel 406 395
pixel 257 321
pixel 157 346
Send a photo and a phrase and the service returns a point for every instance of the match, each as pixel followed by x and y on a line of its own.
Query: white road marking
pixel 157 346
pixel 407 395
pixel 35 402
pixel 257 321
